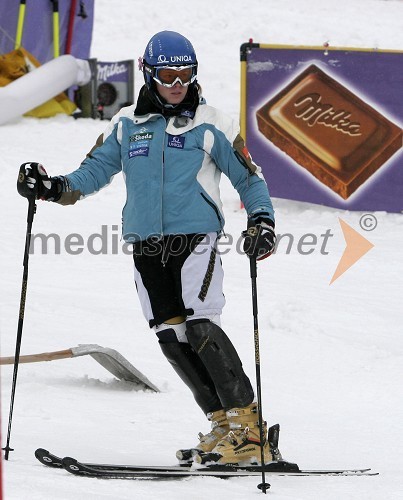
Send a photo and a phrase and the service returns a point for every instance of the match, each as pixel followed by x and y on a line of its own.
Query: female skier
pixel 172 148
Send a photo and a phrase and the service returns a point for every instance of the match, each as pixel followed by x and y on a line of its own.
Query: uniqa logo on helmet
pixel 162 59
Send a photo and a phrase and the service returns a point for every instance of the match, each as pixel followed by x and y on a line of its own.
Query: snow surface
pixel 331 355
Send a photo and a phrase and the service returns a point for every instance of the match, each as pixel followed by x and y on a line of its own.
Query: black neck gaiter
pixel 151 102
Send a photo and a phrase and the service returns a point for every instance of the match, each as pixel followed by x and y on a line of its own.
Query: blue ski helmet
pixel 167 48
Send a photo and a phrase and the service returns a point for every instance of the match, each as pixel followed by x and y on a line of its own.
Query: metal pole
pixel 253 274
pixel 30 218
pixel 56 32
pixel 20 25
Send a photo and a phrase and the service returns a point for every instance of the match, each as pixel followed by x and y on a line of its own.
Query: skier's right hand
pixel 33 181
pixel 260 238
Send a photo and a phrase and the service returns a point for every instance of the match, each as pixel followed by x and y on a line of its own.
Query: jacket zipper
pixel 212 205
pixel 163 260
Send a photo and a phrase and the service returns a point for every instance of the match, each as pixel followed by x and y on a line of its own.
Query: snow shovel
pixel 110 359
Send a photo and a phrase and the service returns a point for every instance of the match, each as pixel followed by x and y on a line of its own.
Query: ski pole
pixel 253 274
pixel 56 35
pixel 30 218
pixel 20 24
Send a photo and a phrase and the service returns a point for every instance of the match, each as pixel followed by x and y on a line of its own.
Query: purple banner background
pixel 376 77
pixel 38 28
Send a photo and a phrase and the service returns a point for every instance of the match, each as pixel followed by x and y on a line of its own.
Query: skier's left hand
pixel 260 238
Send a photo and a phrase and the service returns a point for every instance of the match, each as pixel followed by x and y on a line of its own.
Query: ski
pixel 55 462
pixel 112 471
pixel 222 472
pixel 51 460
pixel 48 459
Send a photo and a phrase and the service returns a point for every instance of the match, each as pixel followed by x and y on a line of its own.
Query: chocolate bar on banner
pixel 329 130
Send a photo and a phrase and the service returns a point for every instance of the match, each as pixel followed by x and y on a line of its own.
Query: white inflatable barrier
pixel 42 84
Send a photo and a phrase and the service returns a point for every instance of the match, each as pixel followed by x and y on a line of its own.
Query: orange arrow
pixel 356 247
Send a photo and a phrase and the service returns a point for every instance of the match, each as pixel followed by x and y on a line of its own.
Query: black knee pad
pixel 192 371
pixel 222 362
pixel 167 336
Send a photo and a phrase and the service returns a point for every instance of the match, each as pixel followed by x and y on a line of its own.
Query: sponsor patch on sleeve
pixel 245 152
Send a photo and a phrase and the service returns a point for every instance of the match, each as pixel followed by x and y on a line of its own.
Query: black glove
pixel 34 181
pixel 260 238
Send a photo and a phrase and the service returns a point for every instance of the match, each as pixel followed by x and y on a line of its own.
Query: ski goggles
pixel 168 76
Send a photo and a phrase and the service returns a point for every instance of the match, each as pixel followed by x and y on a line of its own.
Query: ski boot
pixel 219 429
pixel 241 446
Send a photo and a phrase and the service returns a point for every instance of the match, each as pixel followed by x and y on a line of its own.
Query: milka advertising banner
pixel 325 124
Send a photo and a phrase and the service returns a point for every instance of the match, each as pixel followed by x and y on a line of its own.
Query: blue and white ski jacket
pixel 172 168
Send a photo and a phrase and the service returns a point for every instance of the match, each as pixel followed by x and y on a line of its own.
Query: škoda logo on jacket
pixel 141 136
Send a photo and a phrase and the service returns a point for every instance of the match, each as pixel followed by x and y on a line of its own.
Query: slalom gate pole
pixel 56 33
pixel 20 24
pixel 70 27
pixel 30 218
pixel 253 274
